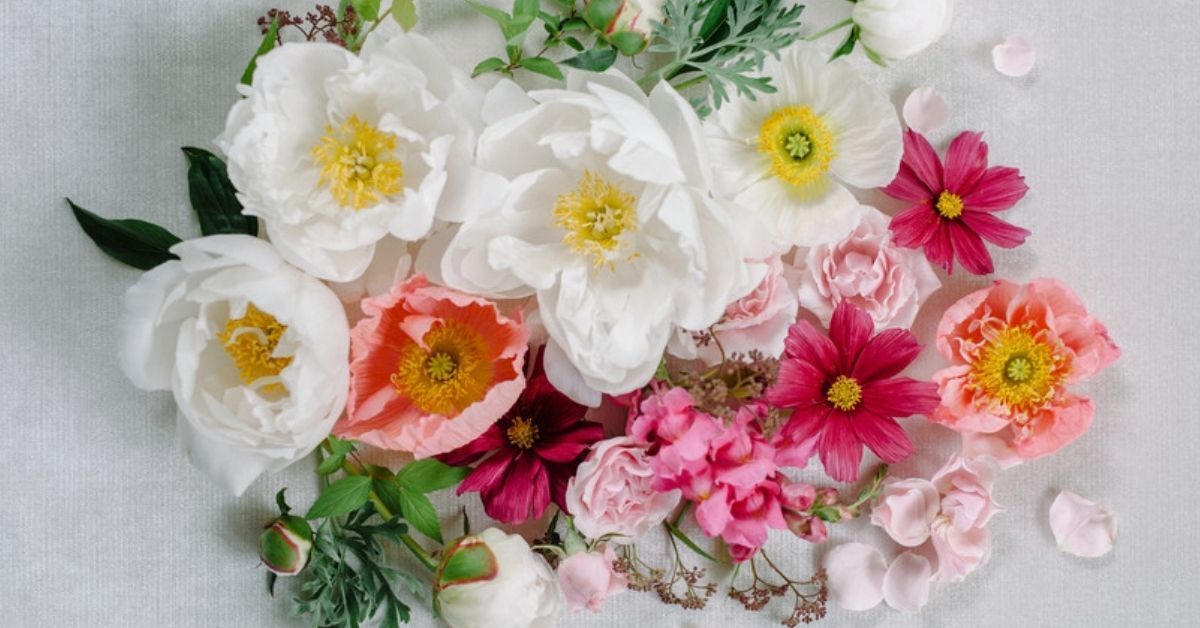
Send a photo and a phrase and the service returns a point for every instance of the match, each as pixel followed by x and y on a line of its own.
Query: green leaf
pixel 574 24
pixel 494 14
pixel 281 501
pixel 595 60
pixel 405 13
pixel 683 538
pixel 542 66
pixel 388 494
pixel 488 65
pixel 630 44
pixel 526 8
pixel 418 512
pixel 429 475
pixel 267 45
pixel 134 242
pixel 574 43
pixel 469 561
pixel 214 197
pixel 341 497
pixel 718 13
pixel 875 57
pixel 847 46
pixel 271 577
pixel 367 9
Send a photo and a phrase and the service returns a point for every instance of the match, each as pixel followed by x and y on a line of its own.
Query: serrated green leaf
pixel 213 196
pixel 683 538
pixel 492 13
pixel 134 242
pixel 429 475
pixel 542 66
pixel 595 60
pixel 341 497
pixel 420 514
pixel 847 46
pixel 267 45
pixel 367 9
pixel 488 65
pixel 405 13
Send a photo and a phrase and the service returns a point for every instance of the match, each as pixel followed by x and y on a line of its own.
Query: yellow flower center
pixel 522 433
pixel 449 373
pixel 800 145
pixel 845 394
pixel 358 164
pixel 598 217
pixel 949 205
pixel 250 341
pixel 1019 370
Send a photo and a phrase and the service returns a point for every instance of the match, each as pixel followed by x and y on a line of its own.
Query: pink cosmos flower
pixel 588 579
pixel 845 394
pixel 431 369
pixel 955 204
pixel 1013 351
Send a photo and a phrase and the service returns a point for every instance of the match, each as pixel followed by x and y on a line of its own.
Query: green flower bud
pixel 626 24
pixel 285 545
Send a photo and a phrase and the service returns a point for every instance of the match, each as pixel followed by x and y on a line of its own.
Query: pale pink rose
pixel 757 321
pixel 966 486
pixel 611 492
pixel 959 552
pixel 867 269
pixel 906 509
pixel 588 579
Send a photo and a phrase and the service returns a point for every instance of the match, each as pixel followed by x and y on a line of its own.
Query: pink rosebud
pixel 588 579
pixel 828 497
pixel 906 509
pixel 806 526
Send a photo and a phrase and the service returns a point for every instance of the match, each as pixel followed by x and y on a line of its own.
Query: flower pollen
pixel 844 394
pixel 1019 370
pixel 251 341
pixel 522 433
pixel 598 217
pixel 949 205
pixel 800 145
pixel 446 375
pixel 358 164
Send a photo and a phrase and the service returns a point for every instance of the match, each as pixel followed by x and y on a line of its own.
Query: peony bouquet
pixel 626 309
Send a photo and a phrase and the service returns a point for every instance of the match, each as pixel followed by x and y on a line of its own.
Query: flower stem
pixel 415 548
pixel 832 29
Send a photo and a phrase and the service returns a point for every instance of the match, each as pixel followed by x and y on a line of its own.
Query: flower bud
pixel 493 580
pixel 805 526
pixel 626 24
pixel 828 497
pixel 285 545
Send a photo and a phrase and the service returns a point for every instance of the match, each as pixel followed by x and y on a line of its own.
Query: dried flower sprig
pixel 809 596
pixel 322 23
pixel 696 591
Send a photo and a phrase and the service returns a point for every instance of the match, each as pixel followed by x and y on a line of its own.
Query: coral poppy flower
pixel 956 205
pixel 431 369
pixel 845 394
pixel 534 452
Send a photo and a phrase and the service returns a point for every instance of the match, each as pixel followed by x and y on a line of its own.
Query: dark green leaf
pixel 542 66
pixel 388 494
pixel 718 13
pixel 367 9
pixel 419 513
pixel 595 60
pixel 214 197
pixel 847 46
pixel 683 538
pixel 271 577
pixel 574 44
pixel 267 45
pixel 405 13
pixel 341 497
pixel 488 65
pixel 135 242
pixel 429 475
pixel 281 501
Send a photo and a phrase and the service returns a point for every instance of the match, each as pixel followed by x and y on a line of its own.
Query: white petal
pixel 566 378
pixel 906 584
pixel 856 572
pixel 1015 56
pixel 925 110
pixel 149 329
pixel 1082 527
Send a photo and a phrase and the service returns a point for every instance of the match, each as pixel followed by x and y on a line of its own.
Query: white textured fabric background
pixel 102 523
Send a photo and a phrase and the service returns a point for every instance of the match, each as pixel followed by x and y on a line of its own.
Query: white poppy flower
pixel 899 29
pixel 255 352
pixel 335 151
pixel 787 155
pixel 609 220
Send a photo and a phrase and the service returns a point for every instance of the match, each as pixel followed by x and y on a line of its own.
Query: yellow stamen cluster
pixel 597 217
pixel 800 146
pixel 1019 370
pixel 522 433
pixel 358 163
pixel 250 341
pixel 949 205
pixel 449 373
pixel 844 394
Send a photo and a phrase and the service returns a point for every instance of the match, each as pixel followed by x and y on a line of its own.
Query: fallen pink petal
pixel 1014 57
pixel 1082 527
pixel 925 111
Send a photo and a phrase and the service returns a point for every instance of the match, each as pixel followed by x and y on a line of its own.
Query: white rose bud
pixel 899 29
pixel 626 23
pixel 493 580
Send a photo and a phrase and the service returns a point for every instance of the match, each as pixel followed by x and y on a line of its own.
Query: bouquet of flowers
pixel 629 306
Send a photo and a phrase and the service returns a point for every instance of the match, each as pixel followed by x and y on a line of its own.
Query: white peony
pixel 493 580
pixel 899 29
pixel 255 352
pixel 787 155
pixel 335 151
pixel 609 220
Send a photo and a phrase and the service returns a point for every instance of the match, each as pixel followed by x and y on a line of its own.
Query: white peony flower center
pixel 799 144
pixel 250 341
pixel 598 218
pixel 359 164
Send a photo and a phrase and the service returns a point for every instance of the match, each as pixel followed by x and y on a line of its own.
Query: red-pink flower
pixel 956 204
pixel 845 394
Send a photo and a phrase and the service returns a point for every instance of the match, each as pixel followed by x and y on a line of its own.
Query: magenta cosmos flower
pixel 956 204
pixel 529 455
pixel 844 392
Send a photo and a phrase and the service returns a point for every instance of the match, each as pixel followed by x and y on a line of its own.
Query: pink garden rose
pixel 588 579
pixel 611 492
pixel 866 268
pixel 906 509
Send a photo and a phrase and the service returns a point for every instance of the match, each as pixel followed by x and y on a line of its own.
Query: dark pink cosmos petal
pixel 841 450
pixel 569 445
pixel 886 355
pixel 799 437
pixel 552 410
pixel 920 156
pixel 804 342
pixel 940 249
pixel 998 189
pixel 849 329
pixel 966 161
pixel 488 474
pixel 915 226
pixel 799 385
pixel 969 247
pixel 523 495
pixel 900 397
pixel 995 230
pixel 560 476
pixel 884 436
pixel 489 441
pixel 907 186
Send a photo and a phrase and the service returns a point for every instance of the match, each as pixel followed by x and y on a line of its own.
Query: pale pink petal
pixel 1082 527
pixel 925 110
pixel 1015 56
pixel 906 583
pixel 988 447
pixel 856 572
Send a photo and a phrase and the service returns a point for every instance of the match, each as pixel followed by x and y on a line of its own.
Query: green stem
pixel 692 82
pixel 832 29
pixel 417 551
pixel 679 515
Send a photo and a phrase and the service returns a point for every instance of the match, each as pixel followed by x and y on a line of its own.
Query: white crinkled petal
pixel 806 222
pixel 906 583
pixel 856 573
pixel 1082 527
pixel 150 326
pixel 566 378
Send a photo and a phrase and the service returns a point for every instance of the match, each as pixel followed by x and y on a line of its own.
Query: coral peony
pixel 955 204
pixel 431 369
pixel 1013 350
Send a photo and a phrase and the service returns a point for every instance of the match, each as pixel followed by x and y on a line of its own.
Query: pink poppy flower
pixel 955 204
pixel 845 394
pixel 1013 350
pixel 431 369
pixel 530 455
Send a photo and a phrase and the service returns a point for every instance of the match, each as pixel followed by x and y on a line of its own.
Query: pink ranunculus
pixel 966 487
pixel 611 492
pixel 906 509
pixel 588 579
pixel 758 321
pixel 866 268
pixel 1013 350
